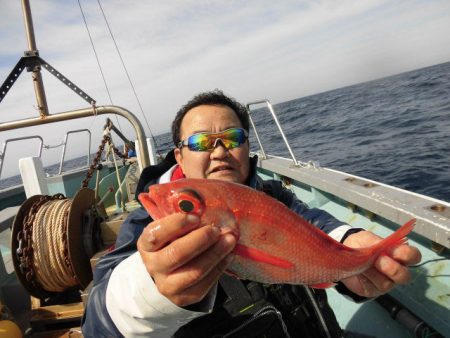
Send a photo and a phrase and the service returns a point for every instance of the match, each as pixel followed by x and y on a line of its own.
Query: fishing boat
pixel 95 208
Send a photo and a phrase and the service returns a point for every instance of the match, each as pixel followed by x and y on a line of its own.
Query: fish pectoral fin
pixel 323 285
pixel 261 256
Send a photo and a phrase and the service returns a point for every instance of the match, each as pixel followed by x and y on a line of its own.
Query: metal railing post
pixel 86 112
pixel 274 116
pixel 3 152
pixel 61 162
pixel 263 153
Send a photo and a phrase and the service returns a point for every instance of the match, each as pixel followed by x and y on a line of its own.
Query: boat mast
pixel 32 51
pixel 32 60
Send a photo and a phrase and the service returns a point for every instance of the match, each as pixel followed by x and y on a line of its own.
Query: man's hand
pixel 184 259
pixel 387 271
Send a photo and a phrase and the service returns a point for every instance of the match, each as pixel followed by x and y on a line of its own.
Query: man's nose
pixel 219 150
pixel 218 141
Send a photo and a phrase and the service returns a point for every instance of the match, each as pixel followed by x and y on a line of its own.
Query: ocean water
pixel 68 165
pixel 395 130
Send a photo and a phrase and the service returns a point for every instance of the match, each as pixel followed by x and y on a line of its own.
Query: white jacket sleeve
pixel 339 232
pixel 138 309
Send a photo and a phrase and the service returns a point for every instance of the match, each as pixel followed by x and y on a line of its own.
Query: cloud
pixel 252 50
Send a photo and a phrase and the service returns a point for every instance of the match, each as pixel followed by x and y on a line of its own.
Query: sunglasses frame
pixel 185 142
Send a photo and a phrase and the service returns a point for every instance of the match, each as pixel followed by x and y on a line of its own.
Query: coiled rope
pixel 51 263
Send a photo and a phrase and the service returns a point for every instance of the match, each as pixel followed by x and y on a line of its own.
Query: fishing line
pixel 429 261
pixel 128 75
pixel 99 65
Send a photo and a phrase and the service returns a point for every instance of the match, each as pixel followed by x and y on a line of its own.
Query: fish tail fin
pixel 394 240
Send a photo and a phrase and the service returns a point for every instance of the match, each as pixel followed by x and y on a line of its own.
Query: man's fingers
pixel 190 283
pixel 407 255
pixel 365 287
pixel 380 281
pixel 202 265
pixel 392 269
pixel 158 233
pixel 183 249
pixel 197 292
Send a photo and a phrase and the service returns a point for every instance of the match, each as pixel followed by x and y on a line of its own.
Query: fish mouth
pixel 151 206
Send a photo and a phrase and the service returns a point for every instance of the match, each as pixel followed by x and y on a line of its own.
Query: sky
pixel 254 49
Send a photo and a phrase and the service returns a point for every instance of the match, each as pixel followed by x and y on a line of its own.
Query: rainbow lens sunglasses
pixel 230 138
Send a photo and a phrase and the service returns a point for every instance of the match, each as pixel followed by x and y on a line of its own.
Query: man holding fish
pixel 169 274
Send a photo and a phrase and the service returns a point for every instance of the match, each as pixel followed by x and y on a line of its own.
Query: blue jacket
pixel 96 321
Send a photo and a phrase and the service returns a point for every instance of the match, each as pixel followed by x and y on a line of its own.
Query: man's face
pixel 221 164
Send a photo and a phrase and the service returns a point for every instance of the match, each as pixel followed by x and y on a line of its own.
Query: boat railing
pixel 275 118
pixel 64 144
pixel 143 156
pixel 5 144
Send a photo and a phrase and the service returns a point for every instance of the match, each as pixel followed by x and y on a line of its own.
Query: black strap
pixel 272 188
pixel 238 295
pixel 150 173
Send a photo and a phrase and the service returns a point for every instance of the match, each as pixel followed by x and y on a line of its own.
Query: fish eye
pixel 188 201
pixel 186 206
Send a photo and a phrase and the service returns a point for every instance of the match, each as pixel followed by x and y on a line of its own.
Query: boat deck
pixel 380 208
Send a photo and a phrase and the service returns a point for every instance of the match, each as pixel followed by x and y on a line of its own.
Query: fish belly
pixel 310 257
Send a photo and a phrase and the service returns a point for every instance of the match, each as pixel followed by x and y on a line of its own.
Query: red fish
pixel 275 245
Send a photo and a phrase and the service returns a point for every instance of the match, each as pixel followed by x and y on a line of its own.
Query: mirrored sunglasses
pixel 230 138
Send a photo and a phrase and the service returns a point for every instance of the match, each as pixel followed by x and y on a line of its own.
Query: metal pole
pixel 119 183
pixel 65 144
pixel 263 153
pixel 3 152
pixel 110 125
pixel 32 50
pixel 63 154
pixel 87 112
pixel 274 116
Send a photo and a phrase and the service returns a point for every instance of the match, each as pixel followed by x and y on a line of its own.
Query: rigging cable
pixel 128 75
pixel 98 63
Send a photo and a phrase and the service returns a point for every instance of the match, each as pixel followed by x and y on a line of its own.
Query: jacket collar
pixel 154 174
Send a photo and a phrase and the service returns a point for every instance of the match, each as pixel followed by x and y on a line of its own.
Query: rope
pixel 47 146
pixel 51 262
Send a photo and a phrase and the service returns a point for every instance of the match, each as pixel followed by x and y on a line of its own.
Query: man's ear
pixel 179 157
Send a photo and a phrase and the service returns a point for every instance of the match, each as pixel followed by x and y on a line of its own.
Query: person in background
pixel 166 277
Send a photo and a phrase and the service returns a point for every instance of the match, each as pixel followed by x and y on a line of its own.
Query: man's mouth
pixel 221 168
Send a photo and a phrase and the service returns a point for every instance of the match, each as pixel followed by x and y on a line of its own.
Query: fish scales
pixel 275 245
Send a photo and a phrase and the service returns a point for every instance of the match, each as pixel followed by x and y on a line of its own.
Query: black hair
pixel 215 98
